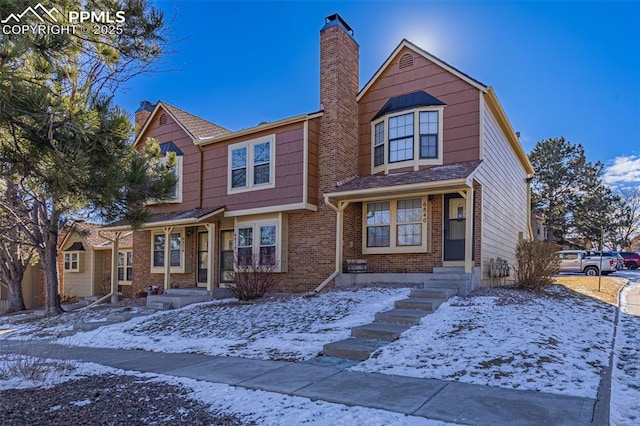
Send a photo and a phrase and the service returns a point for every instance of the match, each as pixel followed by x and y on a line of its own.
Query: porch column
pixel 114 267
pixel 342 205
pixel 167 256
pixel 211 230
pixel 468 234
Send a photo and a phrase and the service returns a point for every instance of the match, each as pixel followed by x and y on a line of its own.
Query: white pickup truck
pixel 580 261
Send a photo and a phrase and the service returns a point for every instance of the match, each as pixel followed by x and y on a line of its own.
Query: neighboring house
pixel 538 226
pixel 419 169
pixel 85 261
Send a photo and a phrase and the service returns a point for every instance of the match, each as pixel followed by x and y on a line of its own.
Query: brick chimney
pixel 142 113
pixel 339 56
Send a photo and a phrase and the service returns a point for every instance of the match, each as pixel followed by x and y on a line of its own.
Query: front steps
pixel 437 288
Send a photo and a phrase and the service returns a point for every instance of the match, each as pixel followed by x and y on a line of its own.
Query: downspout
pixel 339 211
pixel 529 227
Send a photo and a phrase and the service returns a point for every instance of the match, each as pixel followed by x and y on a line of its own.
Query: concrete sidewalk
pixel 631 302
pixel 447 401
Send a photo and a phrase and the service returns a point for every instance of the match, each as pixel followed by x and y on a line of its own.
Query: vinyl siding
pixel 504 195
pixel 78 284
pixel 172 132
pixel 288 172
pixel 461 115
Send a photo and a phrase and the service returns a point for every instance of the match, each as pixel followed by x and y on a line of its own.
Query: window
pixel 245 246
pixel 263 250
pixel 397 226
pixel 429 134
pixel 176 191
pixel 401 138
pixel 378 145
pixel 72 261
pixel 378 225
pixel 175 252
pixel 409 223
pixel 251 165
pixel 262 239
pixel 125 266
pixel 408 140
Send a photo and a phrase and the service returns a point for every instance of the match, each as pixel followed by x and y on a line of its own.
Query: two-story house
pixel 419 169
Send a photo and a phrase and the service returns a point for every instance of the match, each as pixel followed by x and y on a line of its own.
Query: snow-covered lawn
pixel 625 383
pixel 556 342
pixel 291 330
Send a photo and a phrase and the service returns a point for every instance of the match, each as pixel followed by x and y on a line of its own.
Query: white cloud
pixel 623 170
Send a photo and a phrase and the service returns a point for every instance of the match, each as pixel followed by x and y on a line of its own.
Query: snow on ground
pixel 557 342
pixel 292 330
pixel 625 376
pixel 251 405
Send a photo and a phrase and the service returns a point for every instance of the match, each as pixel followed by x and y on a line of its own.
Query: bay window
pixel 410 139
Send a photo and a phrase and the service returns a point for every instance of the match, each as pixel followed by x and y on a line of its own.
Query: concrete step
pixel 119 317
pixel 420 303
pixel 160 306
pixel 446 276
pixel 434 292
pixel 401 316
pixel 379 331
pixel 356 349
pixel 83 303
pixel 448 269
pixel 88 326
pixel 187 291
pixel 442 283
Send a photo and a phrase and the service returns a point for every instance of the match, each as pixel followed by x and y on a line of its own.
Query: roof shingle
pixel 198 127
pixel 433 174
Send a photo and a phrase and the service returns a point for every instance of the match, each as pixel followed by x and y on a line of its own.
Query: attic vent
pixel 406 61
pixel 163 119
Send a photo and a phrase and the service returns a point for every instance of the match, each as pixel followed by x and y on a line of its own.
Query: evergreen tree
pixel 63 140
pixel 563 178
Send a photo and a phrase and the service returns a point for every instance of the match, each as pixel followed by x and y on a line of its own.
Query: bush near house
pixel 253 277
pixel 537 264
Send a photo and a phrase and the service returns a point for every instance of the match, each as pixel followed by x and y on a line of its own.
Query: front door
pixel 226 256
pixel 455 218
pixel 203 257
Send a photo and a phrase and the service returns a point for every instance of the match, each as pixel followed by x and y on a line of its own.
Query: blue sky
pixel 567 69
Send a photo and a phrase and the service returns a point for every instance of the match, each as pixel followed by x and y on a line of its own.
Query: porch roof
pixel 433 178
pixel 179 218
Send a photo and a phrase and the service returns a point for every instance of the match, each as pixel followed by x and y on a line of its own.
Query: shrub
pixel 537 264
pixel 253 278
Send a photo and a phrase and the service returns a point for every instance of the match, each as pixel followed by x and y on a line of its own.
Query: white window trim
pixel 64 261
pixel 256 223
pixel 250 164
pixel 393 236
pixel 386 166
pixel 179 173
pixel 174 269
pixel 125 281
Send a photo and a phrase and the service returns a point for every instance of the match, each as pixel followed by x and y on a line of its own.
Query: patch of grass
pixel 588 286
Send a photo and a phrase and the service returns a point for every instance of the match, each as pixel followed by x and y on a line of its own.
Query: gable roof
pixel 408 101
pixel 442 64
pixel 197 128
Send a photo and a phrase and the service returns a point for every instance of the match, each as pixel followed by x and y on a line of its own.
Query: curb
pixel 602 407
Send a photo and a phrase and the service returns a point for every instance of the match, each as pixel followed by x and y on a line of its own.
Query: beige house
pixel 85 261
